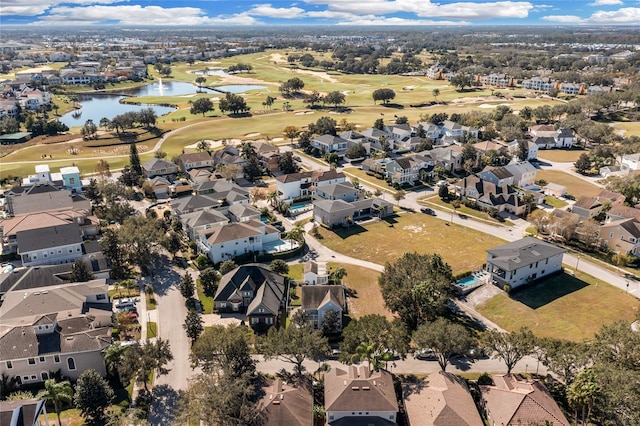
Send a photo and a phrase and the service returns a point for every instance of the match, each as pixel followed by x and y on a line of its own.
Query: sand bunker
pixel 304 113
pixel 252 135
pixel 492 106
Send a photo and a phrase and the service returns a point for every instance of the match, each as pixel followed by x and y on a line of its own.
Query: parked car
pixel 125 302
pixel 127 309
pixel 279 227
pixel 427 210
pixel 425 354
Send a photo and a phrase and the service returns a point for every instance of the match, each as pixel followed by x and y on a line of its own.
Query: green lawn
pixel 630 128
pixel 151 301
pixel 439 203
pixel 365 179
pixel 366 298
pixel 205 300
pixel 561 155
pixel 123 292
pixel 555 202
pixel 565 307
pixel 379 242
pixel 575 186
pixel 152 329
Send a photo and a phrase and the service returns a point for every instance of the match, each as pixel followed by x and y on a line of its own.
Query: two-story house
pixel 524 173
pixel 51 245
pixel 196 160
pixel 197 221
pixel 315 273
pixel 498 176
pixel 524 261
pixel 337 191
pixel 621 236
pixel 159 167
pixel 318 300
pixel 330 143
pixel 225 242
pixel 60 327
pixel 407 170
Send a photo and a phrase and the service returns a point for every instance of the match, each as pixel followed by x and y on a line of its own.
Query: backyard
pixel 575 186
pixel 561 155
pixel 388 239
pixel 563 306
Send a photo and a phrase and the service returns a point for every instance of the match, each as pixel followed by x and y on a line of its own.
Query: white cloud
pixel 136 14
pixel 424 8
pixel 275 12
pixel 380 21
pixel 606 3
pixel 563 19
pixel 38 7
pixel 626 15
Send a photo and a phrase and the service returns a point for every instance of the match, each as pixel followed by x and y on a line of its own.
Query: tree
pixel 268 102
pixel 443 192
pixel 134 160
pixel 233 103
pixel 141 236
pixel 583 163
pixel 201 106
pixel 582 395
pixel 432 277
pixel 378 124
pixel 227 266
pixel 89 129
pixel 336 275
pixel 59 393
pixel 200 80
pixel 287 164
pixel 193 325
pixel 279 266
pixel 138 361
pixel 563 357
pixel 294 344
pixel 331 323
pixel 335 98
pixel 523 151
pixel 93 395
pixel 115 256
pixel 80 272
pixel 445 338
pixel 323 126
pixel 209 278
pixel 252 168
pixel 540 219
pixel 292 86
pixel 399 196
pixel 224 351
pixel 588 232
pixel 462 80
pixel 510 347
pixel 356 151
pixel 291 132
pixel 312 99
pixel 384 95
pixel 187 286
pixel 436 93
pixel 172 242
pixel 102 168
pixel 373 330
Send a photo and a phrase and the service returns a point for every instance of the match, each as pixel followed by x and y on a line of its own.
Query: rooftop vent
pixel 355 388
pixel 276 402
pixel 366 388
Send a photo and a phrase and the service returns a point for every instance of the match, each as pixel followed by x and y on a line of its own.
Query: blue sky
pixel 349 13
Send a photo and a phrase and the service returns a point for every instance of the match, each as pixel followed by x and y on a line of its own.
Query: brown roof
pixel 441 399
pixel 293 177
pixel 515 401
pixel 358 389
pixel 321 175
pixel 587 203
pixel 285 405
pixel 191 157
pixel 614 197
pixel 314 296
pixel 631 225
pixel 624 211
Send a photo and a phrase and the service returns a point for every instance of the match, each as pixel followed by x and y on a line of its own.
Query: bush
pixel 461 275
pixel 485 380
pixel 202 262
pixel 506 288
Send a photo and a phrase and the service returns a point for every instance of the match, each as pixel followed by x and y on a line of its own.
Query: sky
pixel 349 13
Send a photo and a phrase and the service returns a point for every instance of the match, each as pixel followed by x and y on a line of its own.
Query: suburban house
pixel 619 212
pixel 455 130
pixel 406 170
pixel 158 186
pixel 359 396
pixel 621 236
pixel 449 157
pixel 269 155
pixel 42 197
pixel 441 399
pixel 614 198
pixel 332 213
pixel 547 136
pixel 337 191
pixel 532 148
pixel 515 401
pixel 296 185
pixel 429 129
pixel 524 174
pixel 488 195
pixel 230 156
pixel 254 290
pixel 554 190
pixel 243 213
pixel 499 176
pixel 629 162
pixel 225 242
pixel 284 404
pixel 200 220
pixel 198 176
pixel 194 203
pixel 60 327
pixel 330 143
pixel 68 177
pixel 315 273
pixel 196 160
pixel 523 261
pixel 587 207
pixel 50 245
pixel 159 167
pixel 317 300
pixel 24 412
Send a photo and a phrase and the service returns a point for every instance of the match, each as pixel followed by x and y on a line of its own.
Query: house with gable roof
pixel 24 412
pixel 524 173
pixel 225 242
pixel 317 300
pixel 621 236
pixel 285 404
pixel 159 167
pixel 315 273
pixel 252 289
pixel 513 401
pixel 440 399
pixel 357 395
pixel 196 160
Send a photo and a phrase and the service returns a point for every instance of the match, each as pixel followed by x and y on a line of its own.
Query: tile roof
pixel 231 232
pixel 192 157
pixel 587 203
pixel 293 177
pixel 441 399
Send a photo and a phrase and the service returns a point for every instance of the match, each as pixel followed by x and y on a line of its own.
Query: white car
pixel 125 303
pixel 442 182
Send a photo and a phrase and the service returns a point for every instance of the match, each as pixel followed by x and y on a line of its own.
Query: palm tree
pixel 296 234
pixel 338 274
pixel 273 197
pixel 58 393
pixel 436 93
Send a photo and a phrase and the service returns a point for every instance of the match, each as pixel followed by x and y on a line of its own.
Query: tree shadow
pixel 163 277
pixel 548 290
pixel 461 363
pixel 164 404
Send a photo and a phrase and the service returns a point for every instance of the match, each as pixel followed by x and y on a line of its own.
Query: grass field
pixel 366 297
pixel 555 202
pixel 439 203
pixel 365 179
pixel 152 329
pixel 575 186
pixel 385 241
pixel 561 155
pixel 630 129
pixel 206 301
pixel 562 307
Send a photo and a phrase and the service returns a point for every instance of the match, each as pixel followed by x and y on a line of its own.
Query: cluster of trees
pixel 384 95
pixel 239 68
pixel 232 103
pixel 145 118
pixel 291 87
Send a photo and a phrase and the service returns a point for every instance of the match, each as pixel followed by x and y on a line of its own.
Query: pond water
pixel 240 88
pixel 211 72
pixel 166 88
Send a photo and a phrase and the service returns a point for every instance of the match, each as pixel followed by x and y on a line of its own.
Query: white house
pixel 630 162
pixel 315 273
pixel 50 246
pixel 524 174
pixel 523 261
pixel 295 185
pixel 225 242
pixel 330 143
pixel 532 148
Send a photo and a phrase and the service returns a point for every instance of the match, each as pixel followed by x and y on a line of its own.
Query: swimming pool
pixel 297 207
pixel 468 281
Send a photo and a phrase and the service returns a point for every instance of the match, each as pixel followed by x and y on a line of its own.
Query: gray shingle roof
pixel 55 236
pixel 313 296
pixel 521 253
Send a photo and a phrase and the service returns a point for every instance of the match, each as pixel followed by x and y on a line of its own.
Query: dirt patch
pixel 482 294
pixel 277 57
pixel 320 74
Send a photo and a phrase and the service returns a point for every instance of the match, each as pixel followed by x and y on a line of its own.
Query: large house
pixel 547 136
pixel 42 197
pixel 521 262
pixel 488 195
pixel 303 184
pixel 159 167
pixel 284 404
pixel 317 300
pixel 441 399
pixel 621 236
pixel 59 327
pixel 334 213
pixel 359 396
pixel 254 290
pixel 24 412
pixel 225 242
pixel 196 160
pixel 514 401
pixel 51 245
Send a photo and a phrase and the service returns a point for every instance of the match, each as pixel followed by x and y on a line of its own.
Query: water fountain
pixel 160 86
